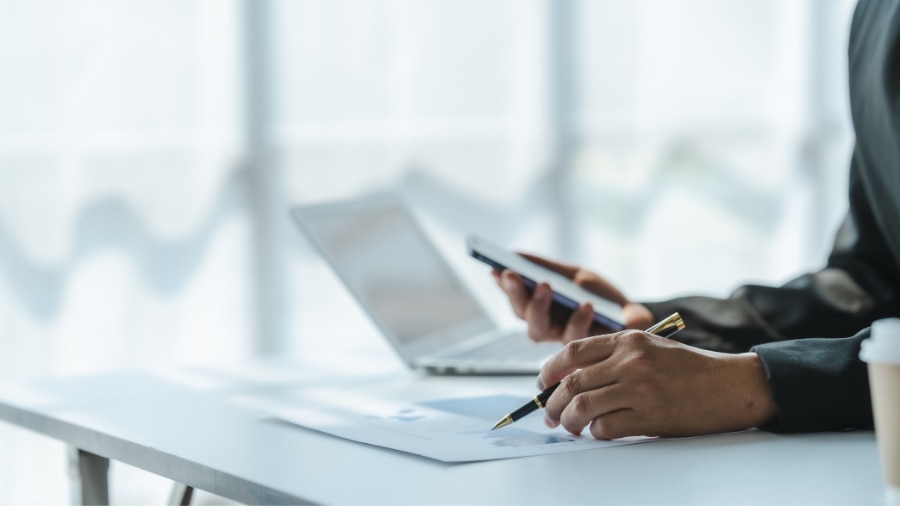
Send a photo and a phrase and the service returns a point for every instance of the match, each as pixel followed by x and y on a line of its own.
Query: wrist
pixel 755 404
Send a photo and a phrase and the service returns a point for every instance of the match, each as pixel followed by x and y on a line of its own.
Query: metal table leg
pixel 181 495
pixel 89 477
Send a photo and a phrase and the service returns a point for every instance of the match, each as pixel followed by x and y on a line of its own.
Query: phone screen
pixel 565 292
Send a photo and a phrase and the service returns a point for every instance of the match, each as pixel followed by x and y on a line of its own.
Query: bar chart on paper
pixel 449 430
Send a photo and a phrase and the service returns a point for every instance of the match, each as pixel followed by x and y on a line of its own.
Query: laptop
pixel 397 275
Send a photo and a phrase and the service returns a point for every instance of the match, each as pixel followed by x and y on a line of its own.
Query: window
pixel 148 152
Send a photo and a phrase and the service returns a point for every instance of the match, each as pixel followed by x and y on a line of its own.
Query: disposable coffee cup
pixel 882 353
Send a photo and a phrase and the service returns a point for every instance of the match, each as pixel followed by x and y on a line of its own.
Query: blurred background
pixel 149 151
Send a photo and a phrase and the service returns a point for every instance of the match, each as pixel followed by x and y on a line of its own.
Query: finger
pixel 579 390
pixel 511 283
pixel 617 424
pixel 537 314
pixel 579 324
pixel 593 404
pixel 567 270
pixel 576 355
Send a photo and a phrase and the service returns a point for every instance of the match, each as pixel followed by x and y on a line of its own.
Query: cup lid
pixel 883 345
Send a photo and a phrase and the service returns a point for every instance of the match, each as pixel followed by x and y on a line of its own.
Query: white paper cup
pixel 882 352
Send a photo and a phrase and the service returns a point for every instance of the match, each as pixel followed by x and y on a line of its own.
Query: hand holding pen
pixel 634 383
pixel 664 328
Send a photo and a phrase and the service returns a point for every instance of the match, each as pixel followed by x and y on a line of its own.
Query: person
pixel 779 358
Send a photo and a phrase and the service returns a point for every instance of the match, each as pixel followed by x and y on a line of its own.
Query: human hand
pixel 550 322
pixel 634 383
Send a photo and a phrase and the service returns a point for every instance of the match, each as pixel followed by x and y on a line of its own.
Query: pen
pixel 665 328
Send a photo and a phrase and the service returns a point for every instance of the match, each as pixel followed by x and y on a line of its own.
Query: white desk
pixel 194 427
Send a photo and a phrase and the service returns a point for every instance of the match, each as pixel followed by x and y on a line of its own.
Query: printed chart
pixel 449 430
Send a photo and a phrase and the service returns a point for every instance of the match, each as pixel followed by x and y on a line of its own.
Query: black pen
pixel 672 324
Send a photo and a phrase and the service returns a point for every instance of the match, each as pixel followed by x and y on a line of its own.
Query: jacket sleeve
pixel 807 333
pixel 818 383
pixel 800 330
pixel 858 286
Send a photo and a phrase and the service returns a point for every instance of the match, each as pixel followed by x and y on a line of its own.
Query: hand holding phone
pixel 566 293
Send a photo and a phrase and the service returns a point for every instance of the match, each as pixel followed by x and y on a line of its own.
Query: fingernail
pixel 540 384
pixel 508 284
pixel 550 423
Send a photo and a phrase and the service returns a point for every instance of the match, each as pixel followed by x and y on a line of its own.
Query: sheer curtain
pixel 676 147
pixel 148 151
pixel 124 229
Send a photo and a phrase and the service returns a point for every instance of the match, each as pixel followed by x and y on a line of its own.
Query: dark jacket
pixel 808 332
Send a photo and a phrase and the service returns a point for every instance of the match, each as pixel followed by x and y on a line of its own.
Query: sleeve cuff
pixel 818 384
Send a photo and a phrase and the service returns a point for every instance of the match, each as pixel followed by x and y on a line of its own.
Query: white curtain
pixel 124 237
pixel 148 151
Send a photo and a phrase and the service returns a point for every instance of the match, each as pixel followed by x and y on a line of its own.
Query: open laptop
pixel 397 275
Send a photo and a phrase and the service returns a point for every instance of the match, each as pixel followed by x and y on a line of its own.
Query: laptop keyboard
pixel 513 346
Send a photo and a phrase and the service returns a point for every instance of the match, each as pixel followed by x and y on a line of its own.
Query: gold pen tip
pixel 502 423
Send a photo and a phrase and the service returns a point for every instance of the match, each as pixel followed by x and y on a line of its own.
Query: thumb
pixel 637 316
pixel 601 287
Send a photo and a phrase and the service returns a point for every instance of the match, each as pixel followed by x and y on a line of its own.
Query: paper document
pixel 449 430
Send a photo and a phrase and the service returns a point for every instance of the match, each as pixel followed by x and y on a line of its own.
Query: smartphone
pixel 565 292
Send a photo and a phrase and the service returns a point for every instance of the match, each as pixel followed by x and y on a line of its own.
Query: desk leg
pixel 181 495
pixel 89 477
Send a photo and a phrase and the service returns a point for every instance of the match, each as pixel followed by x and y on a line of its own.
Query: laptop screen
pixel 392 268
